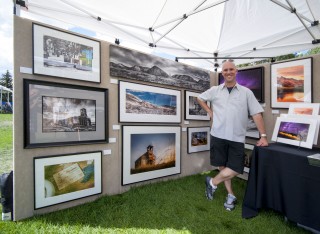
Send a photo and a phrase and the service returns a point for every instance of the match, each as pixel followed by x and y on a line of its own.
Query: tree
pixel 6 80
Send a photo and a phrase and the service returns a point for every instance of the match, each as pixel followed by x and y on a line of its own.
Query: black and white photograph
pixel 144 103
pixel 66 55
pixel 150 152
pixel 198 139
pixel 134 65
pixel 57 114
pixel 193 110
pixel 68 114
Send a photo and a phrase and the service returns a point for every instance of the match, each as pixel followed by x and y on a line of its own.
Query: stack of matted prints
pixel 299 127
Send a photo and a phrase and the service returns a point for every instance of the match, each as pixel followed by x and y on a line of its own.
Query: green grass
pixel 175 206
pixel 6 143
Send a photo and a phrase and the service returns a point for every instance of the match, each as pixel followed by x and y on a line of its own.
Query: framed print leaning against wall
pixel 150 152
pixel 63 178
pixel 59 114
pixel 291 82
pixel 248 148
pixel 198 139
pixel 145 103
pixel 193 110
pixel 66 55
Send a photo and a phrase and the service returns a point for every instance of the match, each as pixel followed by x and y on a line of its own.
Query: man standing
pixel 231 103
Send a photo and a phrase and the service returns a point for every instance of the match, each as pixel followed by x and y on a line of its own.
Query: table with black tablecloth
pixel 281 179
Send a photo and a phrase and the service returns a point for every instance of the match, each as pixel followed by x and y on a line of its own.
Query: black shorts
pixel 227 153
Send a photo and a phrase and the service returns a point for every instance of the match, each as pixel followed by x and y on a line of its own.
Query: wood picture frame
pixel 64 54
pixel 58 114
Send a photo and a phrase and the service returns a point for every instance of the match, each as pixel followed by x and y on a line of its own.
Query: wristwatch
pixel 263 135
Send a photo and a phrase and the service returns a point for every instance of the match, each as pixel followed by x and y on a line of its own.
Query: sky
pixel 6 36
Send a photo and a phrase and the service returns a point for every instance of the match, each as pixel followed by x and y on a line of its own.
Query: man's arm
pixel 257 118
pixel 204 105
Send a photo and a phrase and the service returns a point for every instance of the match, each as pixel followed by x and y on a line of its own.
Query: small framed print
pixel 304 109
pixel 148 104
pixel 248 148
pixel 150 152
pixel 198 139
pixel 63 178
pixel 65 55
pixel 193 110
pixel 295 131
pixel 60 114
pixel 291 83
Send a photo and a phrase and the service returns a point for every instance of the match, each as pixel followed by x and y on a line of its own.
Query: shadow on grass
pixel 171 206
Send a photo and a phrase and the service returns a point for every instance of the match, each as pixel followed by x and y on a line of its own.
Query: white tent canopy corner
pixel 197 32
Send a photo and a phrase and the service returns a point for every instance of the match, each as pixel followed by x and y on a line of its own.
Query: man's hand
pixel 262 142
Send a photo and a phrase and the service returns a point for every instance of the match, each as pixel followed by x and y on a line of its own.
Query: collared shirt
pixel 231 110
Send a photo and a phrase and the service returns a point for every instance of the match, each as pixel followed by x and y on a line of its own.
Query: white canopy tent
pixel 195 31
pixel 4 90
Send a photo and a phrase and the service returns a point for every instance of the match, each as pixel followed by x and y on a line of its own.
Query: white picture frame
pixel 198 139
pixel 304 109
pixel 193 110
pixel 295 131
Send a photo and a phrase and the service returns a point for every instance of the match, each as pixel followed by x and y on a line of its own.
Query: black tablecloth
pixel 281 179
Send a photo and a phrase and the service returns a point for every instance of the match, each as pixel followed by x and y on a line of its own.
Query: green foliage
pixel 6 80
pixel 174 206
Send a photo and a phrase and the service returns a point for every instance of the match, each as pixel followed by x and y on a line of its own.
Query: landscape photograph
pixel 195 108
pixel 294 131
pixel 134 65
pixel 199 138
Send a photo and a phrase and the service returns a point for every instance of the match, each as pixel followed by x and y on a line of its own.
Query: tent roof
pixel 5 89
pixel 192 28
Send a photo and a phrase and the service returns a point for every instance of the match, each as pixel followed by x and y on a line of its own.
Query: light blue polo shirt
pixel 231 110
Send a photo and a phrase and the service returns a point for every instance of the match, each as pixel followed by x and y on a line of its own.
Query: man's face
pixel 229 72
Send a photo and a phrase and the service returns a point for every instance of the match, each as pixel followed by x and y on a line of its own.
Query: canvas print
pixel 198 139
pixel 62 54
pixel 304 109
pixel 295 131
pixel 66 177
pixel 134 65
pixel 60 114
pixel 143 103
pixel 68 114
pixel 248 148
pixel 150 152
pixel 291 83
pixel 193 110
pixel 253 79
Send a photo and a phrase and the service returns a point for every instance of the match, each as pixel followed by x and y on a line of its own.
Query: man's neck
pixel 230 85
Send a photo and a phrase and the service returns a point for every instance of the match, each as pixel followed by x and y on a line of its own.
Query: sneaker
pixel 230 203
pixel 209 189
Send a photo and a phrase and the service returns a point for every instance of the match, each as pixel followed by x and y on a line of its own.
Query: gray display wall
pixel 112 159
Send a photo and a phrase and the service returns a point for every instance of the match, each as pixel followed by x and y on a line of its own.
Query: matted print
pixel 198 139
pixel 193 110
pixel 66 55
pixel 248 148
pixel 134 65
pixel 150 152
pixel 253 79
pixel 144 103
pixel 291 82
pixel 63 178
pixel 59 114
pixel 304 109
pixel 295 131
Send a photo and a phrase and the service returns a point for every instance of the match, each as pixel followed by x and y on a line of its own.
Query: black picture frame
pixel 252 78
pixel 66 55
pixel 57 114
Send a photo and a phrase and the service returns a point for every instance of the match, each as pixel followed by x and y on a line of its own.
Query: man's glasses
pixel 227 60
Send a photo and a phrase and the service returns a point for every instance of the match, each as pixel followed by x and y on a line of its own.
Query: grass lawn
pixel 175 206
pixel 6 143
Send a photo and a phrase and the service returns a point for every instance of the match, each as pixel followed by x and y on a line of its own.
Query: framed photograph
pixel 193 110
pixel 291 82
pixel 134 65
pixel 60 114
pixel 66 55
pixel 248 148
pixel 304 109
pixel 150 152
pixel 144 103
pixel 198 139
pixel 252 130
pixel 63 178
pixel 295 131
pixel 253 79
